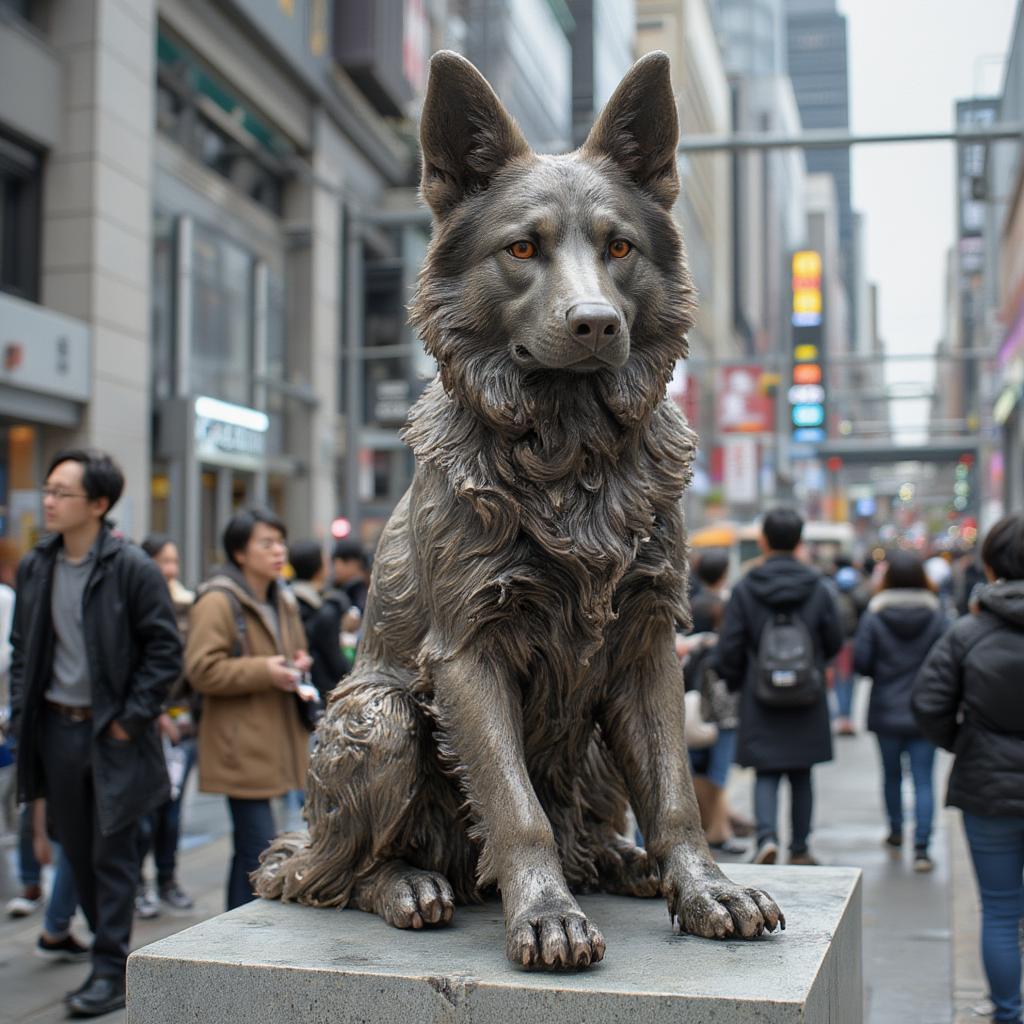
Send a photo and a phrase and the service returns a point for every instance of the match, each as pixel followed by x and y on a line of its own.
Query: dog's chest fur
pixel 533 536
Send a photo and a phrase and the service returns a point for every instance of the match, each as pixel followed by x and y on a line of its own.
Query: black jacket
pixel 321 619
pixel 135 654
pixel 969 698
pixel 777 739
pixel 894 637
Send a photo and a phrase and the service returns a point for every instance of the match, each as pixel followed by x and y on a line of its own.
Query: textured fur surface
pixel 517 685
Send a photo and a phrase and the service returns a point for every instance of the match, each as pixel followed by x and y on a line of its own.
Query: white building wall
pixel 97 222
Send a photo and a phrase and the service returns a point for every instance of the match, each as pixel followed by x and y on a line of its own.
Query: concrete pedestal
pixel 270 963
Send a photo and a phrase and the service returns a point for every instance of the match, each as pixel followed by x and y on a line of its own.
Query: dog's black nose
pixel 594 323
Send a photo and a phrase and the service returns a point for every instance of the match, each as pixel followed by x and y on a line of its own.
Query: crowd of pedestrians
pixel 122 681
pixel 942 646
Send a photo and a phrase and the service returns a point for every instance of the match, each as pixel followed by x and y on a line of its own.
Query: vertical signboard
pixel 807 385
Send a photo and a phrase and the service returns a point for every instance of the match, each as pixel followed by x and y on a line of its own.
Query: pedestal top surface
pixel 644 956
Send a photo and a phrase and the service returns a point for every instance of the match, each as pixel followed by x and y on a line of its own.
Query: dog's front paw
pixel 560 938
pixel 718 909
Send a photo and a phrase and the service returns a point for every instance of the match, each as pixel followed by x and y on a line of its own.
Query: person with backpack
pixel 246 652
pixel 967 699
pixel 899 628
pixel 780 629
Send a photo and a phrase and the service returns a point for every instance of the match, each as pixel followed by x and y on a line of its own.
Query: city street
pixel 917 966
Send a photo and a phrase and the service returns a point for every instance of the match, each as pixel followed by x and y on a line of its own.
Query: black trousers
pixel 106 868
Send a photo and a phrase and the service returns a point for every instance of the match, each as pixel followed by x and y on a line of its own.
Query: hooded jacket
pixel 135 657
pixel 777 739
pixel 252 742
pixel 968 699
pixel 893 639
pixel 322 612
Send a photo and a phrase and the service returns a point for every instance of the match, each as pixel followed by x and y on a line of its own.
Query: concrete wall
pixel 97 221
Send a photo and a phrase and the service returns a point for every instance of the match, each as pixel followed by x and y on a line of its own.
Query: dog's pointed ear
pixel 639 128
pixel 465 132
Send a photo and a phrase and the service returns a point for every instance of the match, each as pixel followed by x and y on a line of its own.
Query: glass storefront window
pixel 20 189
pixel 20 498
pixel 277 365
pixel 222 318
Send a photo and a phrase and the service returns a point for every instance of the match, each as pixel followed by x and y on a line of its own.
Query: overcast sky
pixel 910 60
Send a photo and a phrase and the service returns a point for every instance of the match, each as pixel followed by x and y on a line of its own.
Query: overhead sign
pixel 227 434
pixel 807 391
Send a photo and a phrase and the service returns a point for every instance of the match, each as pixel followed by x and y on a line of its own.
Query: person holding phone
pixel 246 654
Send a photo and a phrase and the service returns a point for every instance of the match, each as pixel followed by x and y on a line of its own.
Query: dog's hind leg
pixel 363 798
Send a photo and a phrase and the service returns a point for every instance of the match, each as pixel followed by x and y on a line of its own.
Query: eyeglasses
pixel 268 544
pixel 59 494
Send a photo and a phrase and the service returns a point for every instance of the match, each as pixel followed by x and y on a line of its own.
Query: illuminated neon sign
pixel 807 391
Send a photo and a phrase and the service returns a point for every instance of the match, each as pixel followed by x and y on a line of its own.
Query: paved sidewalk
pixel 912 962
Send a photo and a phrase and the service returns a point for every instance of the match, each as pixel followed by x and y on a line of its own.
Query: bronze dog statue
pixel 517 685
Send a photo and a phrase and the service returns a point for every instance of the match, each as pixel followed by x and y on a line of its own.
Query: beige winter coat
pixel 252 743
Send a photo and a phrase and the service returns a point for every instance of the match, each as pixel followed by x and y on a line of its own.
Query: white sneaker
pixel 23 906
pixel 767 853
pixel 147 906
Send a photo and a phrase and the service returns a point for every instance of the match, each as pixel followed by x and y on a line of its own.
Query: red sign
pixel 743 405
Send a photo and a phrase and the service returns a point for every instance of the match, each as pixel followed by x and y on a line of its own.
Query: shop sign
pixel 391 401
pixel 744 406
pixel 229 433
pixel 43 351
pixel 740 470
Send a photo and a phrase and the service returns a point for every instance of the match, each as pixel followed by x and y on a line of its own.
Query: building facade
pixel 705 212
pixel 190 179
pixel 1006 210
pixel 817 62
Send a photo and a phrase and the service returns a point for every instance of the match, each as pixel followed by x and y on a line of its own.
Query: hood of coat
pixel 1005 599
pixel 307 593
pixel 230 577
pixel 782 581
pixel 907 612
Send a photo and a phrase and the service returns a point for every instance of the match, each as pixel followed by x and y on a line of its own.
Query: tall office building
pixel 818 68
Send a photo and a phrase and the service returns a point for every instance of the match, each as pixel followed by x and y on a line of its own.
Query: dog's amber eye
pixel 523 250
pixel 619 249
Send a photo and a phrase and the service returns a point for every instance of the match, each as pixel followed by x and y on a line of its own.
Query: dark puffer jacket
pixel 969 698
pixel 777 739
pixel 893 638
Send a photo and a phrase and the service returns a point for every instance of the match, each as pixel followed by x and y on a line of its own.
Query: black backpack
pixel 788 675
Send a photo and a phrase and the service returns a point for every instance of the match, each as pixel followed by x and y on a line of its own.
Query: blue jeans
pixel 63 896
pixel 997 849
pixel 922 757
pixel 30 871
pixel 716 760
pixel 253 825
pixel 766 806
pixel 844 696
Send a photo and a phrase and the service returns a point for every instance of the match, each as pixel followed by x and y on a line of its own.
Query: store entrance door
pixel 224 492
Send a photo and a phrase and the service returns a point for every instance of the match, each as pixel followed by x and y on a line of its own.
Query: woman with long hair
pixel 901 625
pixel 161 831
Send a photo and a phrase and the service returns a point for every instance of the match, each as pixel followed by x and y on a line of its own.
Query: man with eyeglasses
pixel 95 651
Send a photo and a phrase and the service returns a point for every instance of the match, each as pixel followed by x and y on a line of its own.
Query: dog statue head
pixel 551 277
